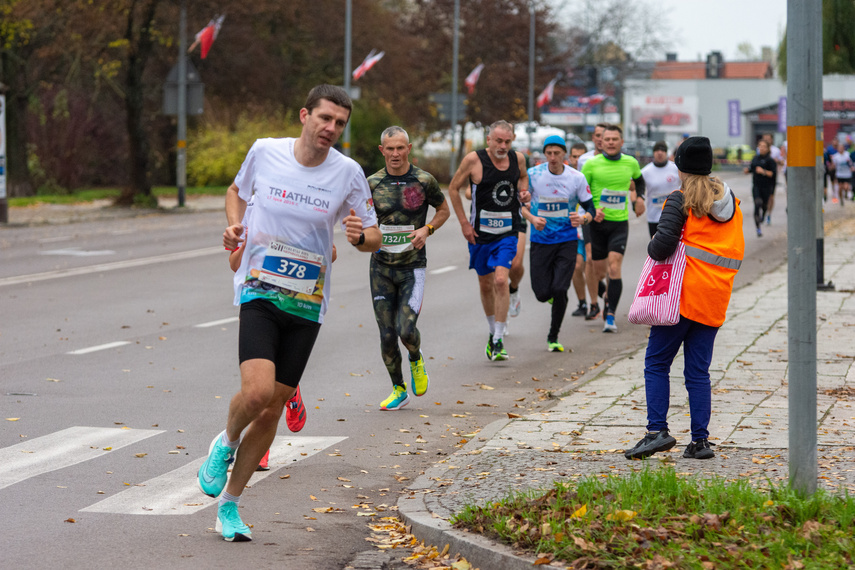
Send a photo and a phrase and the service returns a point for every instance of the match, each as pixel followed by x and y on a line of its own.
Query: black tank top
pixel 495 201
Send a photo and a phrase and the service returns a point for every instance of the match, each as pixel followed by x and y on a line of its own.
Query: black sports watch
pixel 361 239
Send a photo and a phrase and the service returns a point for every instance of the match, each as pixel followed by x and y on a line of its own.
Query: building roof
pixel 698 70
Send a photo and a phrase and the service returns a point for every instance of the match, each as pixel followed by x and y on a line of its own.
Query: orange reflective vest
pixel 714 252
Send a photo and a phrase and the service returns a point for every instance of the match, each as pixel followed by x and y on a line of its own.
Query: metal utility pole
pixel 181 151
pixel 804 55
pixel 821 284
pixel 452 163
pixel 531 128
pixel 348 25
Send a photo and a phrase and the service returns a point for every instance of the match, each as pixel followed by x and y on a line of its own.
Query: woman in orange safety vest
pixel 704 214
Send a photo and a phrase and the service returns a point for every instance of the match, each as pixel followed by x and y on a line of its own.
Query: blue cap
pixel 556 140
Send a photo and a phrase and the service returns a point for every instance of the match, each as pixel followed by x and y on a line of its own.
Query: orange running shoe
pixel 263 465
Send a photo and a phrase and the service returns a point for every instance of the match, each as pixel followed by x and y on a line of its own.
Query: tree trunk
pixel 138 192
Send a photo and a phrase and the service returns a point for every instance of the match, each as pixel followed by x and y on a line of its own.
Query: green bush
pixel 216 151
pixel 368 121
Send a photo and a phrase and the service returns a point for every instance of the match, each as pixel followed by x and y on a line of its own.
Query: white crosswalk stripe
pixel 63 449
pixel 177 492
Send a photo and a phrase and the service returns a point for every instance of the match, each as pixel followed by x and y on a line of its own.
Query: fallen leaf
pixel 365 514
pixel 485 387
pixel 581 512
pixel 309 529
pixel 323 510
pixel 140 454
pixel 510 415
pixel 343 479
pixel 621 516
pixel 355 374
pixel 70 521
pixel 12 419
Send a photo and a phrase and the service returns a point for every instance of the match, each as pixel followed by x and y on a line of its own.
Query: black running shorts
pixel 607 237
pixel 282 338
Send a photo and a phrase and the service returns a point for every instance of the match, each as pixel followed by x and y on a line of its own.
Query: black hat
pixel 660 146
pixel 694 156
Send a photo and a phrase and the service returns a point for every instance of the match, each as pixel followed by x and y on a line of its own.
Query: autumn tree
pixel 838 39
pixel 27 29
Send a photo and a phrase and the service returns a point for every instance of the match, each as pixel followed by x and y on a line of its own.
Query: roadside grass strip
pixel 662 519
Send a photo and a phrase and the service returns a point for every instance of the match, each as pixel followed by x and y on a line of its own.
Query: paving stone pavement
pixel 588 428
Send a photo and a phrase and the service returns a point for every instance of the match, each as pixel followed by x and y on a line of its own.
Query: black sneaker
pixel 601 288
pixel 650 444
pixel 581 310
pixel 593 312
pixel 699 450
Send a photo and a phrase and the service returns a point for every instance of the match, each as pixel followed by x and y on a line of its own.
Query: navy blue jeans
pixel 697 341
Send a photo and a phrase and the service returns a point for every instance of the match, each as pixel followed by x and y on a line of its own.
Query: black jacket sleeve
pixel 670 228
pixel 588 205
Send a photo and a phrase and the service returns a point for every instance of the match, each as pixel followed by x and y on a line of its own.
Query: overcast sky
pixel 697 27
pixel 704 26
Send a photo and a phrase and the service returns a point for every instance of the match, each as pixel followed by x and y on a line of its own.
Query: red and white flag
pixel 370 61
pixel 207 35
pixel 546 95
pixel 473 77
pixel 596 99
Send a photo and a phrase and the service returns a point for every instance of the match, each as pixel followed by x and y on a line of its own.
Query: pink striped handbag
pixel 657 297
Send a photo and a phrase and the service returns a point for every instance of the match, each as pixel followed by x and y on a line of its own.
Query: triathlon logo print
pixel 503 193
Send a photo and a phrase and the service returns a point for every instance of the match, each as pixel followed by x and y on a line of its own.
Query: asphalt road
pixel 126 328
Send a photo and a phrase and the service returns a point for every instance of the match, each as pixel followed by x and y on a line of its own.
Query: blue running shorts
pixel 484 258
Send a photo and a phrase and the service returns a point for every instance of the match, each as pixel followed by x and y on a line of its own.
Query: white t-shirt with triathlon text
pixel 659 182
pixel 288 255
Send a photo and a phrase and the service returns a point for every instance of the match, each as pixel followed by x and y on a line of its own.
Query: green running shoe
pixel 396 400
pixel 489 349
pixel 554 346
pixel 499 352
pixel 230 525
pixel 418 376
pixel 213 473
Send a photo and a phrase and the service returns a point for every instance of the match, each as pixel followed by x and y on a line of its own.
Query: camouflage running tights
pixel 397 295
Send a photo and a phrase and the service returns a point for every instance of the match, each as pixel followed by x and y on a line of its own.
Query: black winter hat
pixel 694 156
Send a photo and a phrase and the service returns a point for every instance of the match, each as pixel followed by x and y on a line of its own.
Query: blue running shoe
pixel 610 326
pixel 213 473
pixel 230 525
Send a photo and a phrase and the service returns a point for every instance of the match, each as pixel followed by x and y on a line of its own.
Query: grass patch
pixel 92 194
pixel 655 518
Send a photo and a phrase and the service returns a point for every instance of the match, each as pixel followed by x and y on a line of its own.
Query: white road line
pixel 217 323
pixel 63 449
pixel 59 273
pixel 99 347
pixel 77 252
pixel 441 270
pixel 177 492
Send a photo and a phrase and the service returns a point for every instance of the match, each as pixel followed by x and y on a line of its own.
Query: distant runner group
pixel 290 193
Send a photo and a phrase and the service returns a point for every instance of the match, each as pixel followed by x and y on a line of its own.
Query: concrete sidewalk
pixel 604 412
pixel 44 214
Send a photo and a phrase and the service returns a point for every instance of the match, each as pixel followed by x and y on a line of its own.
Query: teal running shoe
pixel 418 376
pixel 213 473
pixel 396 400
pixel 230 525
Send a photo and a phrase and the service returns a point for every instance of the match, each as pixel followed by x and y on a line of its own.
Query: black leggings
pixel 551 269
pixel 761 204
